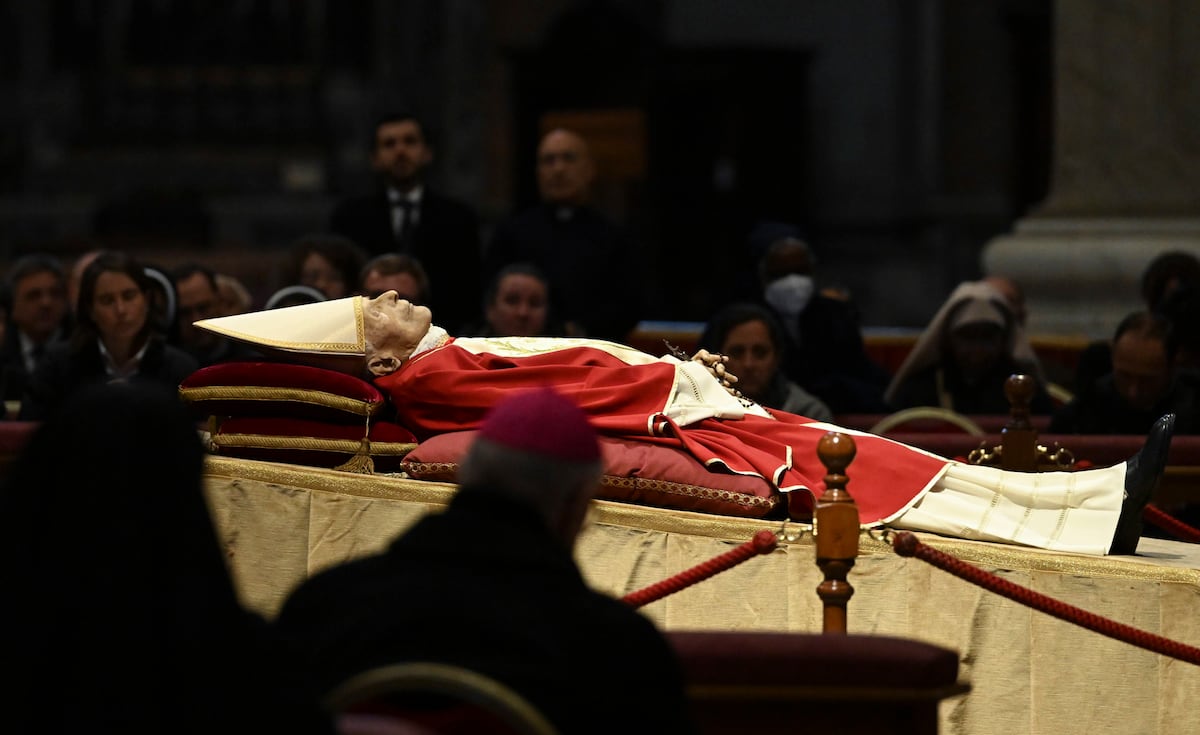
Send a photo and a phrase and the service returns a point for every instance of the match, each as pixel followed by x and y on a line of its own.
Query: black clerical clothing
pixel 224 350
pixel 14 373
pixel 66 369
pixel 595 275
pixel 445 238
pixel 826 356
pixel 485 585
pixel 942 385
pixel 1099 409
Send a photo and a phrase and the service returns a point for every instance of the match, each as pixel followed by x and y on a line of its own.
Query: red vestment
pixel 451 389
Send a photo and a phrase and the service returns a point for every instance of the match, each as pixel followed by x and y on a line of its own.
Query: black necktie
pixel 403 214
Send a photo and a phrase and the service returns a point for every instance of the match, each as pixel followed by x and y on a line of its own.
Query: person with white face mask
pixel 790 294
pixel 827 357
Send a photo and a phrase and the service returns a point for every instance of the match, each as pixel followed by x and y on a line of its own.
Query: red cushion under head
pixel 281 390
pixel 634 471
pixel 312 443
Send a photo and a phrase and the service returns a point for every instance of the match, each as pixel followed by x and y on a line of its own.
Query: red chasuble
pixel 451 389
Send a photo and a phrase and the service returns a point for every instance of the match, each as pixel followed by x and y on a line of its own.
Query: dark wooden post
pixel 835 520
pixel 1018 438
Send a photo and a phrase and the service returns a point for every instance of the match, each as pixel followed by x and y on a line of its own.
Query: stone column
pixel 1126 171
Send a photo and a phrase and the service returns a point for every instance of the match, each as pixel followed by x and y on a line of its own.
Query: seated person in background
pixel 121 615
pixel 1181 308
pixel 403 212
pixel 504 597
pixel 438 384
pixel 164 302
pixel 293 295
pixel 115 338
pixel 1167 272
pixel 516 303
pixel 1168 284
pixel 594 267
pixel 327 262
pixel 39 316
pixel 826 355
pixel 232 295
pixel 75 275
pixel 1012 293
pixel 5 307
pixel 397 272
pixel 966 353
pixel 1143 383
pixel 753 340
pixel 199 298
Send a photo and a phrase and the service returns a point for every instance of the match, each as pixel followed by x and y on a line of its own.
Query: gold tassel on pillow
pixel 361 462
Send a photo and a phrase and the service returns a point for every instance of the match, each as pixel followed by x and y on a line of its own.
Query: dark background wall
pixel 901 136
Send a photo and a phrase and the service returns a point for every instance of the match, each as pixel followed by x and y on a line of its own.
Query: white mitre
pixel 326 334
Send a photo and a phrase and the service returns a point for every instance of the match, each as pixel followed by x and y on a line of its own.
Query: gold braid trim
pixel 667 487
pixel 296 395
pixel 347 446
pixel 624 486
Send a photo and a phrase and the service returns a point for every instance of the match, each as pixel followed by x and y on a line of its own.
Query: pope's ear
pixel 382 364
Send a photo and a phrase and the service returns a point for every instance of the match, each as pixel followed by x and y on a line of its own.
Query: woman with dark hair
pixel 754 341
pixel 117 336
pixel 327 262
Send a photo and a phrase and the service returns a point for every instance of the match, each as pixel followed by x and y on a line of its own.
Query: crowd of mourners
pixel 118 569
pixel 563 268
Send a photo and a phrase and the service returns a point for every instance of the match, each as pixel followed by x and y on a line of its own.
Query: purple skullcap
pixel 542 421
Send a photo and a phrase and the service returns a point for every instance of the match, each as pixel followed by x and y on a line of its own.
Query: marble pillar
pixel 1126 164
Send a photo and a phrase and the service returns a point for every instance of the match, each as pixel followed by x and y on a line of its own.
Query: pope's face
pixel 393 328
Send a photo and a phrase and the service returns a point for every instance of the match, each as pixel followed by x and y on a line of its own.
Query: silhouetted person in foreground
pixel 121 615
pixel 491 585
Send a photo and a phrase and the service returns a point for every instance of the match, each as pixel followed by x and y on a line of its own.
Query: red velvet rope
pixel 906 544
pixel 764 542
pixel 1172 525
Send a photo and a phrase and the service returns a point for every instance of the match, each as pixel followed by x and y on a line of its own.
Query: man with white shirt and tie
pixel 404 214
pixel 38 315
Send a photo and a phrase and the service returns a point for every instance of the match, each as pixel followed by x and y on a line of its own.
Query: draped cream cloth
pixel 1030 673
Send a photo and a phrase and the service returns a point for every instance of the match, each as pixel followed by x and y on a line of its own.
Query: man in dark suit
pixel 38 316
pixel 1144 376
pixel 595 277
pixel 198 298
pixel 405 215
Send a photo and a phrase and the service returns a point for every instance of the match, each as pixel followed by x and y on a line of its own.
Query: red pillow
pixel 281 390
pixel 634 471
pixel 314 443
